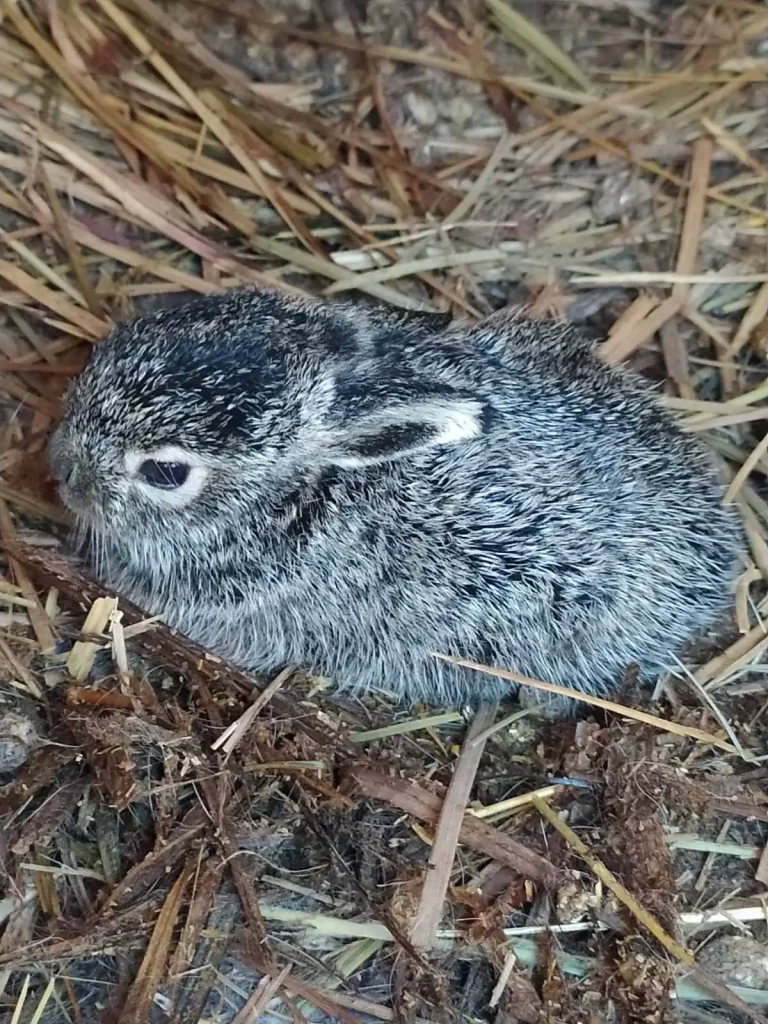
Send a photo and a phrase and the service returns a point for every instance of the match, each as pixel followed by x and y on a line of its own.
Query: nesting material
pixel 80 660
pixel 175 843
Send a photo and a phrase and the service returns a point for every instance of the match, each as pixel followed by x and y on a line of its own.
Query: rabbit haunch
pixel 362 488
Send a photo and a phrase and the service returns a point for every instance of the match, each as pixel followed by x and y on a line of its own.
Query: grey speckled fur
pixel 383 485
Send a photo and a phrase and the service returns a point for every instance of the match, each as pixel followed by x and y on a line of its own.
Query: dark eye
pixel 166 475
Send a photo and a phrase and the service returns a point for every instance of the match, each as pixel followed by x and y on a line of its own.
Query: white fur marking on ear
pixel 454 421
pixel 458 421
pixel 445 423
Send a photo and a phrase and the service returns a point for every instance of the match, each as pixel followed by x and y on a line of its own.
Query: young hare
pixel 352 490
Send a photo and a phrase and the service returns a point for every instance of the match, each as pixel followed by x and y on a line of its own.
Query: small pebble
pixel 13 752
pixel 18 738
pixel 422 109
pixel 300 56
pixel 460 110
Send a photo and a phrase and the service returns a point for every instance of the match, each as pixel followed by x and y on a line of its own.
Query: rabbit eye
pixel 165 475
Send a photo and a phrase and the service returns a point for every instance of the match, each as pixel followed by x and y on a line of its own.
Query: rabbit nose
pixel 62 464
pixel 75 479
pixel 62 460
pixel 77 488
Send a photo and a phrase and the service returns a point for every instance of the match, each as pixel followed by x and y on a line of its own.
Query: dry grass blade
pixel 608 705
pixel 417 266
pixel 81 657
pixel 513 803
pixel 761 871
pixel 22 673
pixel 188 158
pixel 144 264
pixel 11 387
pixel 536 44
pixel 326 268
pixel 750 464
pixel 73 252
pixel 738 850
pixel 620 892
pixel 42 269
pixel 37 614
pixel 673 346
pixel 229 114
pixel 635 312
pixel 327 924
pixel 231 736
pixel 647 318
pixel 731 420
pixel 430 909
pixel 140 200
pixel 93 327
pixel 205 885
pixel 210 118
pixel 43 1002
pixel 742 401
pixel 35 506
pixel 86 90
pixel 503 979
pixel 464 207
pixel 410 725
pixel 631 278
pixel 142 993
pixel 733 145
pixel 751 320
pixel 264 993
pixel 745 648
pixel 21 1000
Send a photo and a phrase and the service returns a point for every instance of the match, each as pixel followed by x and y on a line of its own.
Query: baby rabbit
pixel 351 490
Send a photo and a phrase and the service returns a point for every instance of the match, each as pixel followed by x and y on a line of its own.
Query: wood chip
pixel 83 653
pixel 425 806
pixel 430 910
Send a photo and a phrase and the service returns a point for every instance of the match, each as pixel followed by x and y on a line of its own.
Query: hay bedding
pixel 177 845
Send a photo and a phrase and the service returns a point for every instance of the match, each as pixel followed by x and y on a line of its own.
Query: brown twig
pixel 142 992
pixel 426 806
pixel 430 910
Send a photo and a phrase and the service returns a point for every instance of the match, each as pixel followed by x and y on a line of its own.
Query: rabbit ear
pixel 394 431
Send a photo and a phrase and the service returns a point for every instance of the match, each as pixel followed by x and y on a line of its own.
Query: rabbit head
pixel 186 419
